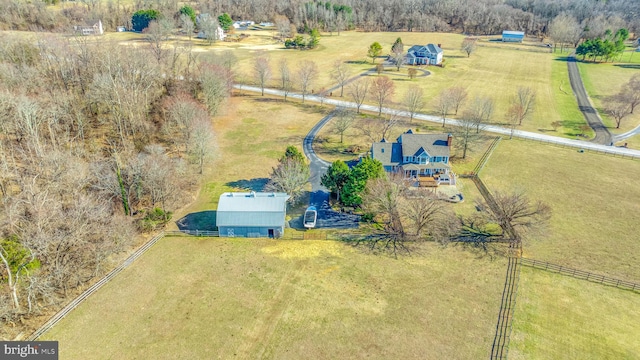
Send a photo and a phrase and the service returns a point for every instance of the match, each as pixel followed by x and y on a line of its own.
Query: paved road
pixel 327 217
pixel 626 135
pixel 603 136
pixel 579 144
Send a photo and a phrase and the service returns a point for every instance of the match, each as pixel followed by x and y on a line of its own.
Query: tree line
pixel 98 143
pixel 478 17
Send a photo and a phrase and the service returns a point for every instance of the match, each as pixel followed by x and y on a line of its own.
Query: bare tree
pixel 359 90
pixel 403 215
pixel 443 105
pixel 215 84
pixel 202 142
pixel 467 133
pixel 187 25
pixel 469 46
pixel 340 74
pixel 343 121
pixel 283 26
pixel 289 176
pixel 382 90
pixel 457 95
pixel 413 101
pixel 262 71
pixel 517 212
pixel 209 28
pixel 630 93
pixel 564 29
pixel 480 111
pixel 307 73
pixel 182 113
pixel 617 108
pixel 412 72
pixel 285 72
pixel 156 35
pixel 522 104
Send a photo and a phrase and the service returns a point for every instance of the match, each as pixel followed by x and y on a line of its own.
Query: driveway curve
pixel 603 136
pixel 327 217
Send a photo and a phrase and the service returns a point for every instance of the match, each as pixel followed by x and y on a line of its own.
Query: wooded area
pixel 97 144
pixel 475 17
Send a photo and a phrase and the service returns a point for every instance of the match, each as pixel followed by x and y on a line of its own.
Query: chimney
pixel 449 139
pixel 440 46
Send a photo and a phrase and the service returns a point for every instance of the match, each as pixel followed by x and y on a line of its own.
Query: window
pixel 382 150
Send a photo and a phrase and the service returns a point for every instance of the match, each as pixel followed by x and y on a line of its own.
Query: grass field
pixel 605 79
pixel 195 298
pixel 574 319
pixel 251 136
pixel 593 198
pixel 496 71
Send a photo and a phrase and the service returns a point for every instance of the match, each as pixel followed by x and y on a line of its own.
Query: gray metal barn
pixel 254 214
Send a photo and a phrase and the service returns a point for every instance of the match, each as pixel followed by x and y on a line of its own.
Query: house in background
pixel 85 30
pixel 430 54
pixel 253 214
pixel 202 18
pixel 512 36
pixel 423 158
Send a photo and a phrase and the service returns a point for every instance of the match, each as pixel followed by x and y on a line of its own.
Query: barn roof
pixel 256 209
pixel 513 33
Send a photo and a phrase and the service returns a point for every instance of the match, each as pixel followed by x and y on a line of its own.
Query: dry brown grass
pixel 593 198
pixel 195 298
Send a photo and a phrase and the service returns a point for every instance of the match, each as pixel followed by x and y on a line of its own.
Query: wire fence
pixel 580 274
pixel 95 287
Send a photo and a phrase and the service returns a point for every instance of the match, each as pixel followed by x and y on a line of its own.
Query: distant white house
pixel 85 30
pixel 243 24
pixel 430 54
pixel 202 18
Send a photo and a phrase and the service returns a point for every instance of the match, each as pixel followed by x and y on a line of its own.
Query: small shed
pixel 512 36
pixel 252 214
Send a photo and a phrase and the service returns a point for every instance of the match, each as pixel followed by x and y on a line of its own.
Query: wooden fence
pixel 580 274
pixel 95 287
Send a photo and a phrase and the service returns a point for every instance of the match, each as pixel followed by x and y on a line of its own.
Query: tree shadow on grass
pixel 628 66
pixel 256 184
pixel 202 220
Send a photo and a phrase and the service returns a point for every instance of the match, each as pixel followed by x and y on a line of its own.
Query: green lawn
pixel 559 317
pixel 605 79
pixel 251 136
pixel 594 225
pixel 495 71
pixel 195 298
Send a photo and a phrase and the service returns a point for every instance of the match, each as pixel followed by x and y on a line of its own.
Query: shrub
pixel 154 219
pixel 141 19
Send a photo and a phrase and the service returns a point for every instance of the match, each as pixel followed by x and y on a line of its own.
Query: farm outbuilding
pixel 252 214
pixel 512 36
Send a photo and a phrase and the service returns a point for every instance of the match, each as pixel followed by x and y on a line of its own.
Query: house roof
pixel 387 153
pixel 433 48
pixel 433 144
pixel 512 33
pixel 254 209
